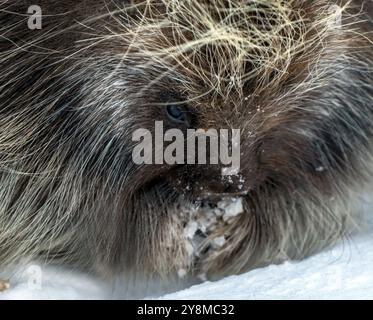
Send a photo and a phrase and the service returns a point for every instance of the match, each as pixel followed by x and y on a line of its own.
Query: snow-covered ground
pixel 343 272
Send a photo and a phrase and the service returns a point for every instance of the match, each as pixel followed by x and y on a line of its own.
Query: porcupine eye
pixel 178 114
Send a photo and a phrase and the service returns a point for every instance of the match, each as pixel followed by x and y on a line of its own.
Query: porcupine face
pixel 294 76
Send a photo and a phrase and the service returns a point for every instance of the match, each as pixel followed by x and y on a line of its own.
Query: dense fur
pixel 296 82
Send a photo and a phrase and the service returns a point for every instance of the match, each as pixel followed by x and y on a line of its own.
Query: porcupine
pixel 294 76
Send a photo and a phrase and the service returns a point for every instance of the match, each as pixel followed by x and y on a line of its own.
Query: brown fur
pixel 298 86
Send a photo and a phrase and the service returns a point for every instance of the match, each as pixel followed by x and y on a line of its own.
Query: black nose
pixel 210 183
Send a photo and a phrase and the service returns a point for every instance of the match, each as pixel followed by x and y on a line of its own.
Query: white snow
pixel 231 207
pixel 34 282
pixel 201 221
pixel 342 272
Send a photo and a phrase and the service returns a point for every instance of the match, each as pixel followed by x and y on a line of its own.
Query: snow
pixel 35 282
pixel 342 272
pixel 231 207
pixel 202 220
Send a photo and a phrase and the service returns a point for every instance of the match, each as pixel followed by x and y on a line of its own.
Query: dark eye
pixel 177 114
